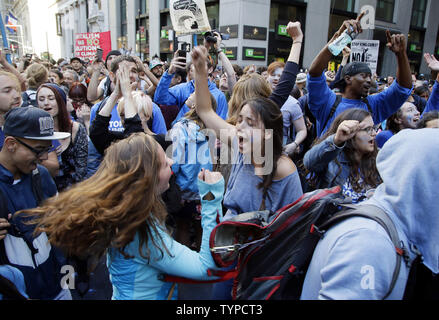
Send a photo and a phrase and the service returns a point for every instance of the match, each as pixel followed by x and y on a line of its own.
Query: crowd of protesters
pixel 121 168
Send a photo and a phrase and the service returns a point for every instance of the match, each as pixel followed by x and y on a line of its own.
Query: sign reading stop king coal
pixel 86 44
pixel 366 51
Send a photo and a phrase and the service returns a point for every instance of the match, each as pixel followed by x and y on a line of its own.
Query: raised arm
pixel 202 96
pixel 320 63
pixel 93 91
pixel 288 77
pixel 225 62
pixel 398 45
pixel 433 101
pixel 163 93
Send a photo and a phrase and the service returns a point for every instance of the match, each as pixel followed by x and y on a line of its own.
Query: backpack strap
pixel 333 109
pixel 380 216
pixel 366 102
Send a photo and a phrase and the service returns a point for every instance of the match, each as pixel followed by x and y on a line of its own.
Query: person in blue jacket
pixel 178 95
pixel 356 259
pixel 355 84
pixel 119 212
pixel 29 132
pixel 191 152
pixel 345 156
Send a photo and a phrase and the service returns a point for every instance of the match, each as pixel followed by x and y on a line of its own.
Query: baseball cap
pixel 112 53
pixel 31 123
pixel 352 69
pixel 154 63
pixel 301 78
pixel 75 58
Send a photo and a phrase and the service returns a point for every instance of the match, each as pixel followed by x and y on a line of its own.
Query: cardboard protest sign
pixel 86 44
pixel 188 17
pixel 366 51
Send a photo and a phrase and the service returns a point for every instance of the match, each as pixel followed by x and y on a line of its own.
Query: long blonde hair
pixel 107 210
pixel 248 87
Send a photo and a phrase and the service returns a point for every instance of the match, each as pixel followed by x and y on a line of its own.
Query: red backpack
pixel 273 251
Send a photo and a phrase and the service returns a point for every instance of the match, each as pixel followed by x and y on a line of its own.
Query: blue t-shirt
pixel 243 195
pixel 383 105
pixel 177 95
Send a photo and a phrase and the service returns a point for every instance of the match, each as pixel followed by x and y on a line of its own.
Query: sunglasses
pixel 38 153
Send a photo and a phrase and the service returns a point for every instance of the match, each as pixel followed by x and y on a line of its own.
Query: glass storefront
pixel 279 42
pixel 385 10
pixel 416 36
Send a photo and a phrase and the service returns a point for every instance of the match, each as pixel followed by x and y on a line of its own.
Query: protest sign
pixel 188 17
pixel 86 44
pixel 366 51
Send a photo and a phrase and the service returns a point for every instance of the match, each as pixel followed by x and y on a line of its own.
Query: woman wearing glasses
pixel 346 156
pixel 68 162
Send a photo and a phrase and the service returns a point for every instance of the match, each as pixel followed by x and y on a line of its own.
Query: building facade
pixel 257 28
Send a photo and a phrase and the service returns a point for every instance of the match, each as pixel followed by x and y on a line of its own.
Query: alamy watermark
pixel 202 148
pixel 68 280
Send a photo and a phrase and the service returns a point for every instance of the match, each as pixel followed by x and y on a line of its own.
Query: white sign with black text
pixel 366 51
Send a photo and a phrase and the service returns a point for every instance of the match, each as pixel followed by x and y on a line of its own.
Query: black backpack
pixel 273 252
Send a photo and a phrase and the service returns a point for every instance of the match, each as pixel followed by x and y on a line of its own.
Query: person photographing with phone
pixel 179 94
pixel 356 81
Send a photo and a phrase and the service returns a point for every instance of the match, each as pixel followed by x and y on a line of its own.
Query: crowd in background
pixel 117 202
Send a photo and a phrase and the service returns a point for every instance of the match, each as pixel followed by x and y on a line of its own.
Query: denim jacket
pixel 320 159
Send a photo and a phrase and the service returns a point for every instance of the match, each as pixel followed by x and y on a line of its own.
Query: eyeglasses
pixel 38 153
pixel 371 130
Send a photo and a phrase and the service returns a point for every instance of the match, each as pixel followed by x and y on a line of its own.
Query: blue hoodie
pixel 191 153
pixel 355 260
pixel 177 95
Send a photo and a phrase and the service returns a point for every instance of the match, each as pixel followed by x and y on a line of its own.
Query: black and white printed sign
pixel 366 51
pixel 188 17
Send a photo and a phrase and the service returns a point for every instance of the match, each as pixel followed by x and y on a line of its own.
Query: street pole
pixel 5 39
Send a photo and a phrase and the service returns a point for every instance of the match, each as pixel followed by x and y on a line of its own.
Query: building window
pixel 142 6
pixel 123 17
pixel 279 42
pixel 58 24
pixel 385 10
pixel 212 10
pixel 418 13
pixel 343 5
